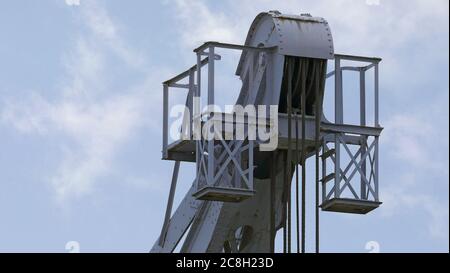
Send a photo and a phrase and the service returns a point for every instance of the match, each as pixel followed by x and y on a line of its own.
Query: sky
pixel 81 116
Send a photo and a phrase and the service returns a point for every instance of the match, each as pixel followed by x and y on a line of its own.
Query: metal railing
pixel 343 135
pixel 193 74
pixel 206 160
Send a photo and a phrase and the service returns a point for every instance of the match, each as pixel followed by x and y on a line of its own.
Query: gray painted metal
pixel 293 35
pixel 251 209
pixel 347 205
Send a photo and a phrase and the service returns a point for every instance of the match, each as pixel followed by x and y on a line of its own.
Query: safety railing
pixel 234 154
pixel 338 138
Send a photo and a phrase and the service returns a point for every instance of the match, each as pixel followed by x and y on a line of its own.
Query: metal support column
pixel 362 122
pixel 197 113
pixel 210 104
pixel 377 124
pixel 173 186
pixel 339 119
pixel 318 116
pixel 165 119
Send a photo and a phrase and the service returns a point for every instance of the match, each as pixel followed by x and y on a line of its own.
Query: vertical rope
pixel 272 201
pixel 289 155
pixel 297 185
pixel 284 206
pixel 318 115
pixel 304 82
pixel 319 101
pixel 303 109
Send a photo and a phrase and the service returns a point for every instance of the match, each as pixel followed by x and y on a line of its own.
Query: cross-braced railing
pixel 351 150
pixel 361 163
pixel 224 166
pixel 225 163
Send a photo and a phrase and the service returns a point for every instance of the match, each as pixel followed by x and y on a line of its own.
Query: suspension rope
pixel 289 154
pixel 284 206
pixel 303 109
pixel 321 70
pixel 273 180
pixel 297 183
pixel 317 114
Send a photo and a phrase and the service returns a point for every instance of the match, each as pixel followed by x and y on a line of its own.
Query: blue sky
pixel 81 114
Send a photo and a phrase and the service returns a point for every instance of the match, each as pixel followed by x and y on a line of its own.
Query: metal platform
pixel 184 149
pixel 181 150
pixel 223 194
pixel 347 205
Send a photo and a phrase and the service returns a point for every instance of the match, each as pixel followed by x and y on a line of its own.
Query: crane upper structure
pixel 248 162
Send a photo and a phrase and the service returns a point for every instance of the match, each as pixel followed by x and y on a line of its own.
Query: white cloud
pixel 200 24
pixel 398 199
pixel 94 118
pixel 411 139
pixel 106 31
pixel 374 30
pixel 373 2
pixel 99 129
pixel 72 2
pixel 23 116
pixel 415 142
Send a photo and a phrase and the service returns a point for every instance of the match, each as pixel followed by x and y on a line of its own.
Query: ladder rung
pixel 327 178
pixel 328 153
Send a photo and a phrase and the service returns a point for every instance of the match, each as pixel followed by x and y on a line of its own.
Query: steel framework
pixel 241 194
